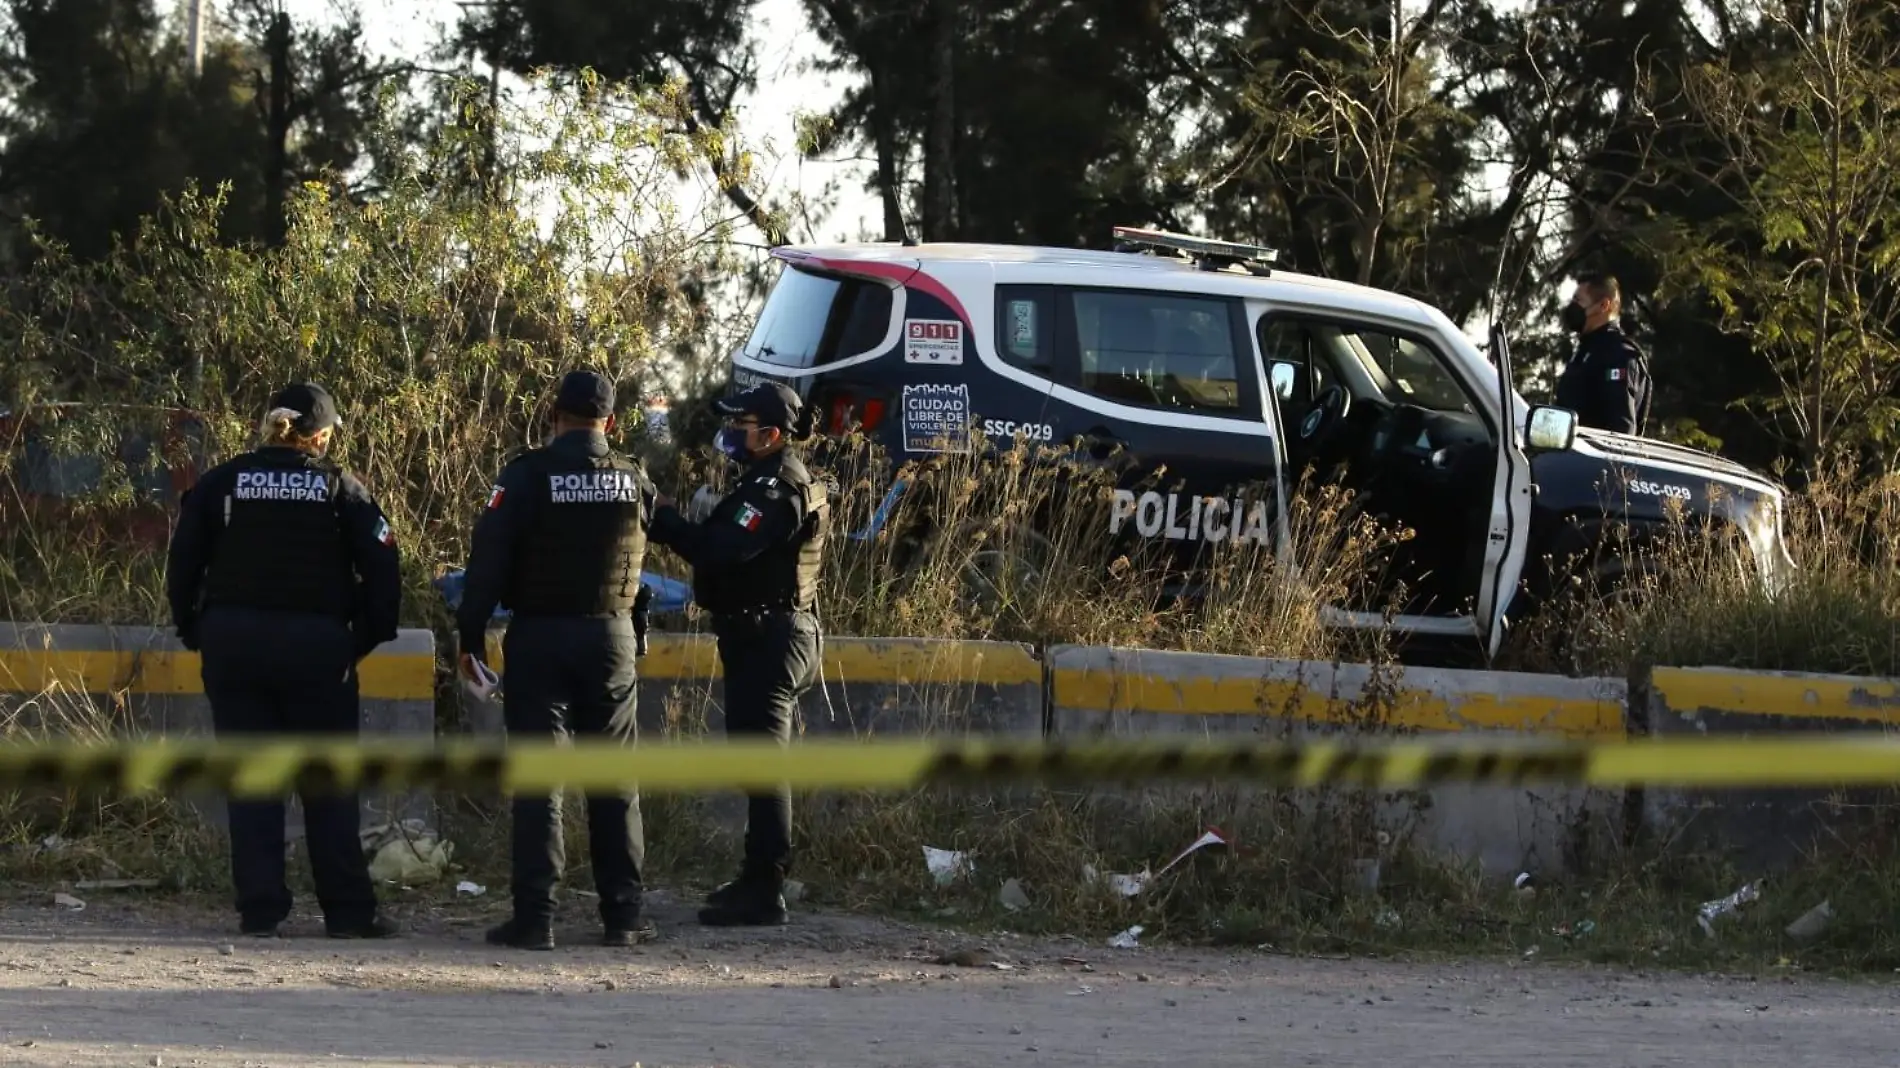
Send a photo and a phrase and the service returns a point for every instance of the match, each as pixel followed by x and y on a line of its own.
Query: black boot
pixel 629 933
pixel 523 934
pixel 755 899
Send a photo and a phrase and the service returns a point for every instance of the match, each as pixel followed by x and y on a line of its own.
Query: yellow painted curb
pixel 868 660
pixel 1095 688
pixel 1754 693
pixel 160 672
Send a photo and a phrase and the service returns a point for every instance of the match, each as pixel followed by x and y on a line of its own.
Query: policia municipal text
pixel 561 545
pixel 755 560
pixel 283 573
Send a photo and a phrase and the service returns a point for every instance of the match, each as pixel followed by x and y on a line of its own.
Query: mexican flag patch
pixel 494 498
pixel 748 517
pixel 383 533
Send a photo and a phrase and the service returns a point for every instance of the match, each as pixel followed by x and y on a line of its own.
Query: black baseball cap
pixel 315 408
pixel 586 394
pixel 771 403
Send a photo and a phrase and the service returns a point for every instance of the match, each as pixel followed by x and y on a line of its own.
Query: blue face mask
pixel 731 441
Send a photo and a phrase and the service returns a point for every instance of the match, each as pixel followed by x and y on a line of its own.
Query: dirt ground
pixel 131 982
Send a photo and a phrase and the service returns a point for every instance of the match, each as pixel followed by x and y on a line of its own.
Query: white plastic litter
pixel 947 864
pixel 1129 939
pixel 68 901
pixel 469 889
pixel 1012 896
pixel 411 860
pixel 1728 906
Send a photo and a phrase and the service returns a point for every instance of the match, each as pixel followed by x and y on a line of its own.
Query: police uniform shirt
pixel 747 553
pixel 278 529
pixel 1607 382
pixel 570 514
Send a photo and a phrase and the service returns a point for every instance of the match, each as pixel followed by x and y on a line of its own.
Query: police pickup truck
pixel 1200 358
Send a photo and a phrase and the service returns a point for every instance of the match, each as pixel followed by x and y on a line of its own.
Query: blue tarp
pixel 669 594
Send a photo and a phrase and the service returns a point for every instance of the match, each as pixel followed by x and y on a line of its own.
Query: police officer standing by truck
pixel 561 545
pixel 755 560
pixel 284 575
pixel 1607 381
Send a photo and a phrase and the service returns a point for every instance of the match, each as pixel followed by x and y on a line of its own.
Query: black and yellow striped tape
pixel 262 768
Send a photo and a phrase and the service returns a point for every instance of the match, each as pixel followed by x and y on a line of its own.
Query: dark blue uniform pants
pixel 287 673
pixel 575 674
pixel 770 659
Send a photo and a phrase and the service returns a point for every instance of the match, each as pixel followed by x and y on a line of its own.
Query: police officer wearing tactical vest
pixel 284 575
pixel 755 561
pixel 1607 382
pixel 561 545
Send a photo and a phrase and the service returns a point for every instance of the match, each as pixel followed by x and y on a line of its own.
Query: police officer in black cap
pixel 562 544
pixel 755 562
pixel 284 573
pixel 1607 382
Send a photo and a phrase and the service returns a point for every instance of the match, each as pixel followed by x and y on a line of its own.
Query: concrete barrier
pixel 1761 829
pixel 139 679
pixel 868 686
pixel 1122 692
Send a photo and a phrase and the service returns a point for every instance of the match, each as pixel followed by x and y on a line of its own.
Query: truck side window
pixel 1157 350
pixel 1026 327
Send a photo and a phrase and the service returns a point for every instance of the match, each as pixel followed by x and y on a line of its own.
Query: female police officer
pixel 284 572
pixel 755 561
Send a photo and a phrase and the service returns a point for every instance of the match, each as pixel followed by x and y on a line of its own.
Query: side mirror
pixel 1550 429
pixel 1282 377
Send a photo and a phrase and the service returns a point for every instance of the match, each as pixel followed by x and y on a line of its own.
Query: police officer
pixel 284 573
pixel 1607 381
pixel 561 544
pixel 755 560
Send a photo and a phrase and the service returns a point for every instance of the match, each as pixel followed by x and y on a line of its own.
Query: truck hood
pixel 1662 454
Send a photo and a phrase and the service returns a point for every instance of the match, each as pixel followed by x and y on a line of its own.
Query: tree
pixel 1806 263
pixel 702 42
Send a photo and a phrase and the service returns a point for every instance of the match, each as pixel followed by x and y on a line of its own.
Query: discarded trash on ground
pixel 1728 906
pixel 1812 923
pixel 1125 885
pixel 68 901
pixel 1575 930
pixel 1387 918
pixel 1012 896
pixel 469 889
pixel 1129 939
pixel 1212 836
pixel 411 860
pixel 947 864
pixel 794 891
pixel 116 884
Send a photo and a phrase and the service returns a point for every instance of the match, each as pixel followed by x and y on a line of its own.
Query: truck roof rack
pixel 1207 254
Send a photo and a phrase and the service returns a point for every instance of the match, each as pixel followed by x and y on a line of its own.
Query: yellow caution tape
pixel 272 767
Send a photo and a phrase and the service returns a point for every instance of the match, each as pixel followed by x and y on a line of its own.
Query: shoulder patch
pixel 748 517
pixel 494 497
pixel 1616 374
pixel 383 534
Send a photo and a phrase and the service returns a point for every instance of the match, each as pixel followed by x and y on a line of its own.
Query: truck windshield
pixel 814 319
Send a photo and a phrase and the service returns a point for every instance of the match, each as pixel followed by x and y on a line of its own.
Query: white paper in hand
pixel 484 684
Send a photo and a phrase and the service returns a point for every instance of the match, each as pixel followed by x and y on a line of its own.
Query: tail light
pixel 847 409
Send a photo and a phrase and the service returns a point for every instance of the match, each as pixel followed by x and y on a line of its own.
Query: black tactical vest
pixel 585 544
pixel 281 546
pixel 784 575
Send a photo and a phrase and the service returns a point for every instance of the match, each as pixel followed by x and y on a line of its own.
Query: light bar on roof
pixel 1135 239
